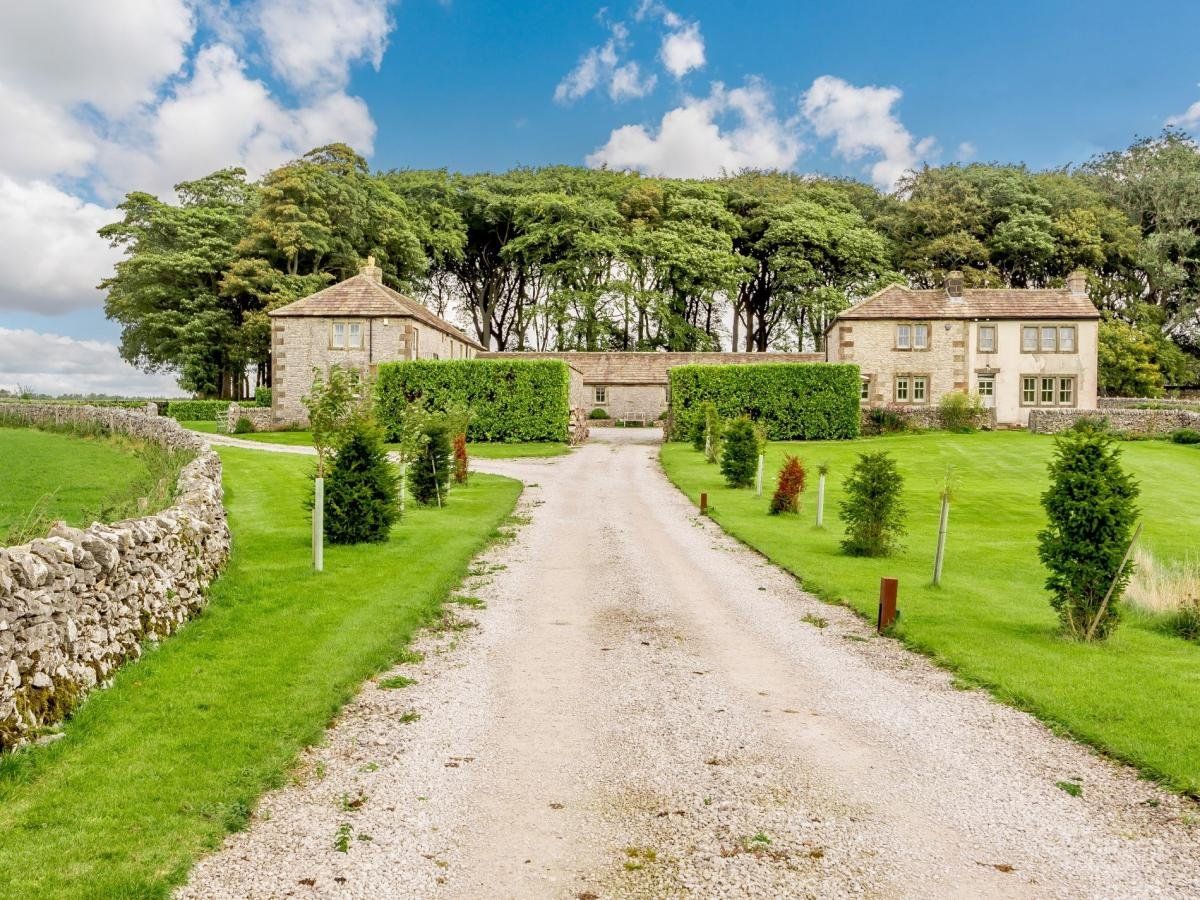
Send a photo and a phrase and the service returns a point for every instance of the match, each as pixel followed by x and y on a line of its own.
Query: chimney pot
pixel 954 283
pixel 371 270
pixel 1077 282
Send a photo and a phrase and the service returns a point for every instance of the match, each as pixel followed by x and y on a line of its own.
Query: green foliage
pixel 887 420
pixel 510 400
pixel 789 486
pixel 1186 436
pixel 813 401
pixel 429 472
pixel 713 431
pixel 598 413
pixel 243 426
pixel 1127 362
pixel 360 490
pixel 872 510
pixel 1185 622
pixel 262 396
pixel 1091 510
pixel 960 412
pixel 335 401
pixel 739 453
pixel 194 410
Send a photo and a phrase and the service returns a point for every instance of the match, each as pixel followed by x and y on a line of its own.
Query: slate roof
pixel 899 302
pixel 647 367
pixel 362 296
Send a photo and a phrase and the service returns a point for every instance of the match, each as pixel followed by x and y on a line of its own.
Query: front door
pixel 985 386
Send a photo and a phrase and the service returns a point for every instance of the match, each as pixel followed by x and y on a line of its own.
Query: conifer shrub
pixel 1091 509
pixel 429 473
pixel 872 509
pixel 739 455
pixel 360 489
pixel 789 487
pixel 598 413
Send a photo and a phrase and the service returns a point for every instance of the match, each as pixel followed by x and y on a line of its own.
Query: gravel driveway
pixel 648 709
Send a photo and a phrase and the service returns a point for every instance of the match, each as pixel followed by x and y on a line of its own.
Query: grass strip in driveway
pixel 1136 697
pixel 154 771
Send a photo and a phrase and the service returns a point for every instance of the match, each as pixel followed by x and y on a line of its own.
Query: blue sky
pixel 143 93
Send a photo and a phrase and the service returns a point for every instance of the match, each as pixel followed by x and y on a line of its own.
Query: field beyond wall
pixel 1136 697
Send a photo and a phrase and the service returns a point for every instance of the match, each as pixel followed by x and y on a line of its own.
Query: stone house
pixel 634 385
pixel 358 322
pixel 1018 349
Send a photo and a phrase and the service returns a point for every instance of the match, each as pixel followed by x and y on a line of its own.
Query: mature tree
pixel 166 291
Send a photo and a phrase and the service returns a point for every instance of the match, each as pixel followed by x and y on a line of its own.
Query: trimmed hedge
pixel 512 400
pixel 195 410
pixel 793 401
pixel 262 396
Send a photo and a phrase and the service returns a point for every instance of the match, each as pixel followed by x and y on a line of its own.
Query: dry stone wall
pixel 79 602
pixel 1127 421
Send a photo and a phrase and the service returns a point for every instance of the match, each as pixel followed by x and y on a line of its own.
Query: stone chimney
pixel 1077 282
pixel 954 283
pixel 371 270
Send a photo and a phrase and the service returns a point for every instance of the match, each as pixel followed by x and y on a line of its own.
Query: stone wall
pixel 76 604
pixel 1142 402
pixel 1127 421
pixel 261 418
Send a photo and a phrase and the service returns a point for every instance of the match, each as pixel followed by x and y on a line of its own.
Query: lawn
pixel 1137 698
pixel 483 451
pixel 154 771
pixel 65 476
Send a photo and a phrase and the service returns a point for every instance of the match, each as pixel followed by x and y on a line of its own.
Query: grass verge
pixel 156 770
pixel 482 451
pixel 1136 697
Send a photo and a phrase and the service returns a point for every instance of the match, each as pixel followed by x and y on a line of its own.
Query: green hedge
pixel 793 401
pixel 262 396
pixel 195 410
pixel 512 400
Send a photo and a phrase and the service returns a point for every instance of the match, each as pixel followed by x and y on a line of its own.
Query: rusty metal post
pixel 887 604
pixel 704 504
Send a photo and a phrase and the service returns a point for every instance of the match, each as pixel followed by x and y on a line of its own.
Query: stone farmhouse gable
pixel 1018 349
pixel 359 322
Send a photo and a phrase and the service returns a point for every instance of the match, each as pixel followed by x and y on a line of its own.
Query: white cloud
pixel 966 151
pixel 691 143
pixel 312 44
pixel 51 141
pixel 602 66
pixel 862 122
pixel 221 117
pixel 683 50
pixel 627 83
pixel 54 364
pixel 50 256
pixel 112 54
pixel 1189 119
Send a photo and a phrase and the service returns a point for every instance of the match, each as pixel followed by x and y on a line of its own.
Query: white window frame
pixel 920 386
pixel 985 378
pixel 348 328
pixel 1056 387
pixel 901 384
pixel 864 390
pixel 600 394
pixel 921 333
pixel 1048 338
pixel 903 337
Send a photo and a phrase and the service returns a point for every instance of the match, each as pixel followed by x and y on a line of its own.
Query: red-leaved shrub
pixel 790 486
pixel 460 459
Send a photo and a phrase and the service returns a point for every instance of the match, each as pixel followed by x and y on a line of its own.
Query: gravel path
pixel 648 709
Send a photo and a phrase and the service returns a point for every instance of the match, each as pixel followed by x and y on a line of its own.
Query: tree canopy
pixel 565 257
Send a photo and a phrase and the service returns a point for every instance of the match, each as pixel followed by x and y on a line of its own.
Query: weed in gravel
pixel 1071 787
pixel 409 658
pixel 855 637
pixel 341 838
pixel 409 717
pixel 395 682
pixel 472 602
pixel 320 769
pixel 817 621
pixel 353 804
pixel 370 767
